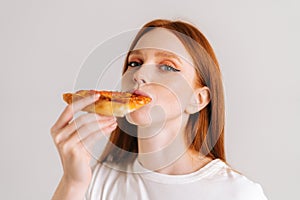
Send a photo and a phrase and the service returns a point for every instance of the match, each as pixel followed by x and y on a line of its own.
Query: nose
pixel 139 80
pixel 140 76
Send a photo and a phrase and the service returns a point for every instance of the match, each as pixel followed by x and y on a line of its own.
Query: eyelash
pixel 167 67
pixel 135 63
pixel 170 68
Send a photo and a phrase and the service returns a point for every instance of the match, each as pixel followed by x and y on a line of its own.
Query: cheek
pixel 127 82
pixel 171 100
pixel 175 95
pixel 167 97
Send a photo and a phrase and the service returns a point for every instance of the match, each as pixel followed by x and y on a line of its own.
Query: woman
pixel 172 148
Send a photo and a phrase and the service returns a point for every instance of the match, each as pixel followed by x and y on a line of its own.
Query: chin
pixel 139 118
pixel 147 116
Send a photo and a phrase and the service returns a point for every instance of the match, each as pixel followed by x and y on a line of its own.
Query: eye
pixel 134 64
pixel 168 68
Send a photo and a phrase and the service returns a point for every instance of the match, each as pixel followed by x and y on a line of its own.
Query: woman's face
pixel 159 67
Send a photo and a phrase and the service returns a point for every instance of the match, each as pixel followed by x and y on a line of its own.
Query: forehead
pixel 164 40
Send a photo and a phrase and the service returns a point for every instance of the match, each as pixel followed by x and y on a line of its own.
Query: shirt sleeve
pixel 259 193
pixel 251 191
pixel 240 187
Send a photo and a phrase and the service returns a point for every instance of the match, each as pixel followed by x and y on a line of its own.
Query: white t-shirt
pixel 214 181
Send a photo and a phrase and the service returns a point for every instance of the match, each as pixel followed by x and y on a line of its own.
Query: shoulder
pixel 237 185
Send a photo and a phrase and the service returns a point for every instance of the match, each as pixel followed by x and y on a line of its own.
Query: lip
pixel 139 92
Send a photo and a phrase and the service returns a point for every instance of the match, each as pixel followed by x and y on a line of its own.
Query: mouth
pixel 140 93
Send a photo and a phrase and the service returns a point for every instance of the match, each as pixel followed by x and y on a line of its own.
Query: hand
pixel 73 138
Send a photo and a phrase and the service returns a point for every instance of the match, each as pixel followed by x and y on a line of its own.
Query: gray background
pixel 44 43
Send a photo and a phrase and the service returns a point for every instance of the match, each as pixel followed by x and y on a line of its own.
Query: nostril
pixel 140 81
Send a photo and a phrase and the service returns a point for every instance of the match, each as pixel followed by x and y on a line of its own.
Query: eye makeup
pixel 166 61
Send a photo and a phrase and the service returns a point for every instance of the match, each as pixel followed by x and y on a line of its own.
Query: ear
pixel 200 98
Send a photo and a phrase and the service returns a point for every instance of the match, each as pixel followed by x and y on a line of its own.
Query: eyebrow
pixel 158 54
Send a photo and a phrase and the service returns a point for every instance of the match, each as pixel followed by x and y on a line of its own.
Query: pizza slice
pixel 110 103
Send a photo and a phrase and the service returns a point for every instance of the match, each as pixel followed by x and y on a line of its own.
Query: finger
pixel 66 146
pixel 66 131
pixel 83 120
pixel 71 109
pixel 87 129
pixel 89 141
pixel 69 145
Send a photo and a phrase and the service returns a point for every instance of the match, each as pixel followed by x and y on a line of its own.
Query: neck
pixel 164 149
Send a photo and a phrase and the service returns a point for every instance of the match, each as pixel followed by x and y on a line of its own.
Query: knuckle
pixel 79 121
pixel 71 126
pixel 85 128
pixel 73 152
pixel 52 133
pixel 56 139
pixel 54 136
pixel 63 147
pixel 54 129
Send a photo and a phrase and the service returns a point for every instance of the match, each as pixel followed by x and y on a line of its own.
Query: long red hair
pixel 205 129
